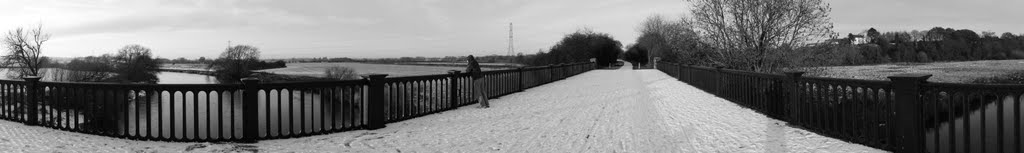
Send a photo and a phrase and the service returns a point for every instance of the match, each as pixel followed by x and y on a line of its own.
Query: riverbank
pixel 454 64
pixel 995 71
pixel 1011 78
pixel 393 70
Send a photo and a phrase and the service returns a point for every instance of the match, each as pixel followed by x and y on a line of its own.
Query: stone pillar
pixel 909 133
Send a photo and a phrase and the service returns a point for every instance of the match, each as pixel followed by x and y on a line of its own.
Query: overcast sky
pixel 394 28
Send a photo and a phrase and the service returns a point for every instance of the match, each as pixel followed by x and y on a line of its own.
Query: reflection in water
pixel 977 133
pixel 184 78
pixel 165 77
pixel 200 114
pixel 219 115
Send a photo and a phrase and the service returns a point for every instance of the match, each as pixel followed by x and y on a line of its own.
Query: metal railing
pixel 904 114
pixel 252 110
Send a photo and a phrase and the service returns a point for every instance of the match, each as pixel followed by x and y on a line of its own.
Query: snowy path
pixel 598 111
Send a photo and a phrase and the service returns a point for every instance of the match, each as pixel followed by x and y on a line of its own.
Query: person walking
pixel 478 84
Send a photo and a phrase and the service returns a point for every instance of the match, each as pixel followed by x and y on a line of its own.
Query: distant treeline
pixel 937 44
pixel 130 64
pixel 580 46
pixel 484 59
pixel 263 64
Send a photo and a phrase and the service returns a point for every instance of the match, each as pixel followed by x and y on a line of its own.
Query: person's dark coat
pixel 474 68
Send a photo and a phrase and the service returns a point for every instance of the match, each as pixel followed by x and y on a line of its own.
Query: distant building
pixel 858 39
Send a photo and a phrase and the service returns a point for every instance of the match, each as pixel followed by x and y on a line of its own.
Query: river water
pixel 184 78
pixel 216 115
pixel 989 114
pixel 165 77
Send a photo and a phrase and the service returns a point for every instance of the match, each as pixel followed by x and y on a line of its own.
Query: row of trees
pixel 182 60
pixel 131 63
pixel 483 59
pixel 776 35
pixel 672 41
pixel 738 34
pixel 936 44
pixel 636 55
pixel 580 46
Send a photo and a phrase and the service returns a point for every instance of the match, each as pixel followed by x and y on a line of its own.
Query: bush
pixel 1016 54
pixel 341 73
pixel 923 57
pixel 236 62
pixel 636 55
pixel 999 56
pixel 134 63
pixel 581 46
pixel 269 65
pixel 86 69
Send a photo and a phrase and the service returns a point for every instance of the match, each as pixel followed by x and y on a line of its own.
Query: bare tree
pixel 236 62
pixel 132 57
pixel 24 49
pixel 672 40
pixel 135 63
pixel 341 73
pixel 752 30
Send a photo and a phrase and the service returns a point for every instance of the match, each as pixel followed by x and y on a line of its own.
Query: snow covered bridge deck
pixel 599 111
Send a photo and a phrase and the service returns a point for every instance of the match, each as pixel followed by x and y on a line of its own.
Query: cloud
pixel 353 28
pixel 978 15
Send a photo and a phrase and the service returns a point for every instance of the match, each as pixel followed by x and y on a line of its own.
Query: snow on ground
pixel 712 124
pixel 598 111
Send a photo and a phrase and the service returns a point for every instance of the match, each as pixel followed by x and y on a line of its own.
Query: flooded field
pixel 317 69
pixel 949 72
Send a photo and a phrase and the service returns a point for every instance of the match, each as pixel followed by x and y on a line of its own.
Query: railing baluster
pixel 5 105
pixel 280 111
pixel 331 105
pixel 267 112
pixel 982 100
pixel 209 115
pixel 967 120
pixel 195 115
pixel 322 101
pixel 999 120
pixel 149 114
pixel 351 106
pixel 1018 97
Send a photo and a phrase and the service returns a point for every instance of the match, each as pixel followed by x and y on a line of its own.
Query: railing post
pixel 453 77
pixel 377 105
pixel 718 80
pixel 907 114
pixel 688 71
pixel 679 71
pixel 565 71
pixel 522 78
pixel 551 72
pixel 561 71
pixel 31 103
pixel 250 109
pixel 793 88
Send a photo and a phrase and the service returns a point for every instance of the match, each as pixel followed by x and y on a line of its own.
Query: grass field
pixel 184 66
pixel 317 69
pixel 951 72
